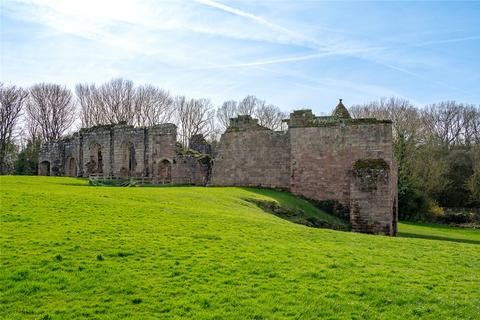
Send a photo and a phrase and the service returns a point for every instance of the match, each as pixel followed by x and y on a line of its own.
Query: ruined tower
pixel 327 158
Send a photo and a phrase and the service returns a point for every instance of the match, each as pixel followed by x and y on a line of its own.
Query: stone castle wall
pixel 329 158
pixel 251 155
pixel 322 157
pixel 372 201
pixel 316 159
pixel 160 141
pixel 123 151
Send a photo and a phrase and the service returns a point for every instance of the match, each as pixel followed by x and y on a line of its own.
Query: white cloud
pixel 202 46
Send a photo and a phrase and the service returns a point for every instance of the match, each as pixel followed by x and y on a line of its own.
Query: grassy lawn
pixel 69 250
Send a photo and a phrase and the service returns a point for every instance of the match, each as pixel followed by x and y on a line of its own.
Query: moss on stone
pixel 372 164
pixel 98 128
pixel 203 158
pixel 329 121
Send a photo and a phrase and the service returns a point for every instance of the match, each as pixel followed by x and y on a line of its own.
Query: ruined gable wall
pixel 123 137
pixel 251 157
pixel 189 170
pixel 59 155
pixel 72 159
pixel 101 137
pixel 160 145
pixel 51 158
pixel 322 157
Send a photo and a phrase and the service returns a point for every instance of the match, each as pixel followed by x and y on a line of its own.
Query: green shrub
pixel 412 204
pixel 112 182
pixel 333 207
pixel 458 216
pixel 473 185
pixel 434 213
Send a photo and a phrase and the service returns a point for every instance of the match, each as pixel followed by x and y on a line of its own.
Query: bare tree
pixel 406 126
pixel 445 121
pixel 406 120
pixel 152 106
pixel 116 101
pixel 50 108
pixel 471 124
pixel 90 112
pixel 248 105
pixel 270 116
pixel 227 111
pixel 194 116
pixel 119 101
pixel 12 100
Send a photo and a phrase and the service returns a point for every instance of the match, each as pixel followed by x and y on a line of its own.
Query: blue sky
pixel 295 54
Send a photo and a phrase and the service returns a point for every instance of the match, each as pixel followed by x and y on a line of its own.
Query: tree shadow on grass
pixel 434 237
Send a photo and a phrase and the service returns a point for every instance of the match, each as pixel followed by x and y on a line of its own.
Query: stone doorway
pixel 165 171
pixel 44 168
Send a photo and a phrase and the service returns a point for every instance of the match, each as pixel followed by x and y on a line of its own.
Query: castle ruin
pixel 322 158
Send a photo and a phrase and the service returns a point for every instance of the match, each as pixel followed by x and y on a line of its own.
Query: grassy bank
pixel 69 250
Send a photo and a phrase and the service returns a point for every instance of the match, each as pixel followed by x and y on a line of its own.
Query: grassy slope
pixel 205 253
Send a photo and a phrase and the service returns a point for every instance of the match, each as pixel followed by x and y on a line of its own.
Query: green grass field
pixel 73 251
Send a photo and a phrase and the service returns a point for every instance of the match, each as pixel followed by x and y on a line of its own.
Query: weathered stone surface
pixel 123 151
pixel 316 159
pixel 198 143
pixel 251 155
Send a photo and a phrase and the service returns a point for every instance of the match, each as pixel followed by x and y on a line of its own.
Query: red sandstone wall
pixel 322 157
pixel 259 158
pixel 371 202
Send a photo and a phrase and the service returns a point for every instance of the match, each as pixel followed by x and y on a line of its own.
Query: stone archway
pixel 71 167
pixel 44 168
pixel 164 172
pixel 95 163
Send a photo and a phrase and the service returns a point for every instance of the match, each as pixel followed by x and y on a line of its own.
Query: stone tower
pixel 327 158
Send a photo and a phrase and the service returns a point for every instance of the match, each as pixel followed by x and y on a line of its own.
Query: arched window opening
pixel 95 163
pixel 71 167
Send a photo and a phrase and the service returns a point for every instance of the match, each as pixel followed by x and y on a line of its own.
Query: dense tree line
pixel 437 149
pixel 437 146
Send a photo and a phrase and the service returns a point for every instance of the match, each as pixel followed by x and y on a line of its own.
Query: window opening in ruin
pixel 131 158
pixel 100 162
pixel 95 164
pixel 72 167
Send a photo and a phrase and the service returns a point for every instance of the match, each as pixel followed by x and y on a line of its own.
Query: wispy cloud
pixel 327 45
pixel 258 19
pixel 236 48
pixel 452 40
